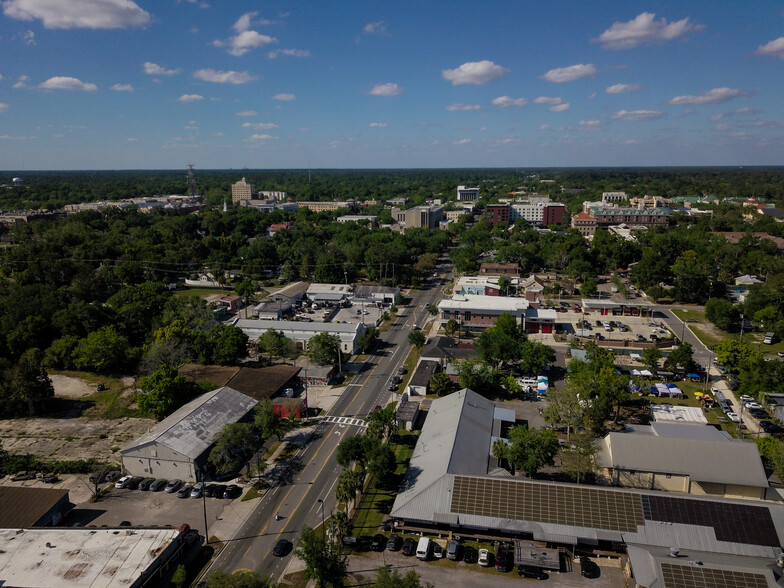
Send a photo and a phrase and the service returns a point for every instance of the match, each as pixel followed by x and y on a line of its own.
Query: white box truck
pixel 423 548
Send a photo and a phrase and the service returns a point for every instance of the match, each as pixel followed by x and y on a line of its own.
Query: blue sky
pixel 137 84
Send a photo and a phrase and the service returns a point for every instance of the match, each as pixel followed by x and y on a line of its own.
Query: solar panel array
pixel 682 576
pixel 735 523
pixel 578 506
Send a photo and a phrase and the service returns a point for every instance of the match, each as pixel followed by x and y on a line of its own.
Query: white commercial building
pixel 466 193
pixel 301 332
pixel 241 190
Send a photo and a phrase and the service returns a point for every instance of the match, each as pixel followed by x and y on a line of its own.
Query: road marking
pixel 342 420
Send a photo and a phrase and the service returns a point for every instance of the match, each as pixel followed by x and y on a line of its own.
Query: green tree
pixel 246 289
pixel 656 293
pixel 390 578
pixel 59 355
pixel 381 461
pixel 534 357
pixel 564 407
pixel 368 339
pixel 772 451
pixel 222 345
pixel 268 423
pixel 723 314
pixel 477 376
pixel 348 484
pixel 323 561
pixel 381 422
pixel 234 446
pixel 531 449
pixel 577 456
pixel 351 450
pixel 103 351
pixel 499 450
pixel 440 384
pixel 651 357
pixel 180 576
pixel 239 579
pixel 734 354
pixel 451 327
pixel 338 527
pixel 28 389
pixel 276 344
pixel 417 339
pixel 324 349
pixel 503 285
pixel 164 391
pixel 589 288
pixel 681 356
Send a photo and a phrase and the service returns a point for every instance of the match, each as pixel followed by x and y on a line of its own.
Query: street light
pixel 323 529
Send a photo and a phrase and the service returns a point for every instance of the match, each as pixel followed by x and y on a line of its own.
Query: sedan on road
pixel 282 547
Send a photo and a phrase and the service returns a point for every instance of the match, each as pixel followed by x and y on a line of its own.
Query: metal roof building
pixel 31 507
pixel 302 332
pixel 448 487
pixel 178 446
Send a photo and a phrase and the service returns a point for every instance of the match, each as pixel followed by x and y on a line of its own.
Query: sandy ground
pixel 69 387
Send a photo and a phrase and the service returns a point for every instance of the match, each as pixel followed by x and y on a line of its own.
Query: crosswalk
pixel 344 421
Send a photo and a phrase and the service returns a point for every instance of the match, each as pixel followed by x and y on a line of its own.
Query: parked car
pixel 409 547
pixel 146 483
pixel 733 417
pixel 50 478
pixel 172 486
pixel 483 558
pixel 112 476
pixel 232 491
pixel 158 485
pixel 197 490
pixel 378 542
pixel 282 547
pixel 394 543
pixel 438 551
pixel 588 568
pixel 453 550
pixel 219 490
pixel 469 554
pixel 531 572
pixel 209 490
pixel 402 371
pixel 502 558
pixel 123 482
pixel 134 483
pixel 392 387
pixel 185 491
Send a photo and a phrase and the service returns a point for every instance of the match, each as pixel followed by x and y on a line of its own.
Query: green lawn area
pixel 106 404
pixel 709 334
pixel 377 501
pixel 689 399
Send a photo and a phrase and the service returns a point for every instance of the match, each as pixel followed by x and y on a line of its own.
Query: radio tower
pixel 192 183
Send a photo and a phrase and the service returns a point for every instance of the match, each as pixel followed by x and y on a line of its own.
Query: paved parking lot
pixel 148 508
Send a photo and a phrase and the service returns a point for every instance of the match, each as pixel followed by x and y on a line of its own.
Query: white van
pixel 423 548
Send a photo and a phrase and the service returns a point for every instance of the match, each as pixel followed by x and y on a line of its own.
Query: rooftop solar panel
pixel 547 503
pixel 736 523
pixel 691 576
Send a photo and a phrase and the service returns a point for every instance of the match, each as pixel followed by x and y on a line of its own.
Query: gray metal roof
pixel 721 461
pixel 455 439
pixel 423 373
pixel 191 429
pixel 368 290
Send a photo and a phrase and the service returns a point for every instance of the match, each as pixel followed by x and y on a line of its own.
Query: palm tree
pixel 338 526
pixel 499 450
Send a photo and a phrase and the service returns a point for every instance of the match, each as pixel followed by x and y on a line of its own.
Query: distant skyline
pixel 137 84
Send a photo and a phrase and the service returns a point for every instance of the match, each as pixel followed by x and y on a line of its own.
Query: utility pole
pixel 323 528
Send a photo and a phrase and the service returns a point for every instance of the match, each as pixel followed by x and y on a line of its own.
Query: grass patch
pixel 287 452
pixel 254 492
pixel 202 292
pixel 377 501
pixel 273 448
pixel 689 399
pixel 106 404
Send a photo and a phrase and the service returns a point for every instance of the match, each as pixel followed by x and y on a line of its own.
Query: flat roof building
pixel 242 190
pixel 22 507
pixel 302 332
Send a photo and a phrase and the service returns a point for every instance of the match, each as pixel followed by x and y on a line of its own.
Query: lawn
pixel 377 501
pixel 112 403
pixel 709 334
pixel 202 292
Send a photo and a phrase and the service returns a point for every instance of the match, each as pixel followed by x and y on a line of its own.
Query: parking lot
pixel 148 509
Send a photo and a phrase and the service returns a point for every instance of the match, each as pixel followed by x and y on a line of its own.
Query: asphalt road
pixel 310 475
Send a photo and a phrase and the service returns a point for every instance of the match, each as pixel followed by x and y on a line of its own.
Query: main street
pixel 310 475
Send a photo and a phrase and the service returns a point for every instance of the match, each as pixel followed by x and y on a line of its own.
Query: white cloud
pixel 590 123
pixel 3 106
pixel 67 83
pixel 259 126
pixel 218 134
pixel 262 137
pixel 284 97
pixel 560 107
pixel 375 28
pixel 28 37
pixel 246 113
pixel 744 110
pixel 773 49
pixel 637 115
pixel 289 53
pixel 153 69
pixel 1 76
pixel 644 29
pixel 378 125
pixel 461 142
pixel 548 100
pixel 386 90
pixel 457 106
pixel 622 88
pixel 714 96
pixel 122 88
pixel 506 102
pixel 78 14
pixel 22 83
pixel 190 98
pixel 722 127
pixel 474 72
pixel 246 38
pixel 223 77
pixel 132 139
pixel 571 73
